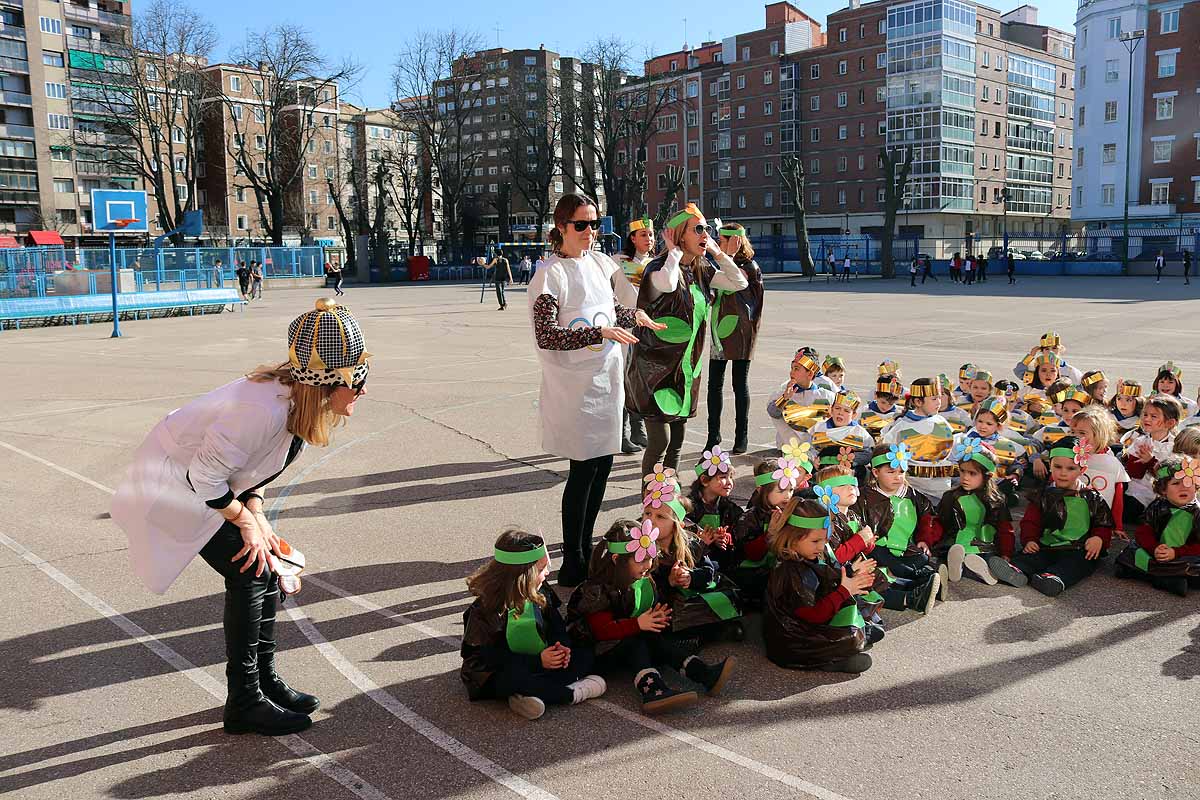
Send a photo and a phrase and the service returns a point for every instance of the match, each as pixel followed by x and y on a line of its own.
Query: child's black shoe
pixel 1047 584
pixel 658 697
pixel 1177 585
pixel 712 677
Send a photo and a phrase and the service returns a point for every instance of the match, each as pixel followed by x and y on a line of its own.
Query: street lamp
pixel 1004 199
pixel 1130 41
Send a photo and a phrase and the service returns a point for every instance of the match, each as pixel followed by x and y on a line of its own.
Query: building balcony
pixel 15 99
pixel 99 139
pixel 12 32
pixel 95 46
pixel 14 65
pixel 73 11
pixel 30 197
pixel 16 132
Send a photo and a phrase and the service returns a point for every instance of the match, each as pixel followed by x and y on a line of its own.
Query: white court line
pixel 57 468
pixel 297 744
pixel 98 407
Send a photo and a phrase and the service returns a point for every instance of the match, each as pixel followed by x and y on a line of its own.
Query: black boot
pixel 637 429
pixel 246 709
pixel 658 698
pixel 273 686
pixel 1175 584
pixel 711 676
pixel 859 662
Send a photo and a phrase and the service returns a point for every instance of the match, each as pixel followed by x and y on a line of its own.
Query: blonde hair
pixel 1187 441
pixel 1104 427
pixel 505 586
pixel 783 536
pixel 680 539
pixel 309 414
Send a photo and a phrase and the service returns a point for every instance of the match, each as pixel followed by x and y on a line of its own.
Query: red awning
pixel 9 241
pixel 46 238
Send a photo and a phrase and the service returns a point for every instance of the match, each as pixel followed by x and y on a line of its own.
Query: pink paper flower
pixel 643 542
pixel 658 478
pixel 1189 473
pixel 715 460
pixel 788 473
pixel 659 496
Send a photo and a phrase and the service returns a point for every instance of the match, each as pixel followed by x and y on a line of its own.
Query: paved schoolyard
pixel 109 691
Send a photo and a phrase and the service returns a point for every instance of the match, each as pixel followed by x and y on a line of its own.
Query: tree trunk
pixel 803 248
pixel 893 196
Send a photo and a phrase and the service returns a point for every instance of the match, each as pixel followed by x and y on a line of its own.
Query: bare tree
pixel 440 100
pixel 145 94
pixel 534 151
pixel 791 172
pixel 503 206
pixel 674 177
pixel 412 183
pixel 351 212
pixel 290 83
pixel 896 167
pixel 616 117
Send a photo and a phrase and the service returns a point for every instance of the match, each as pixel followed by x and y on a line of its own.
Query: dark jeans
pixel 928 273
pixel 1133 513
pixel 548 685
pixel 337 283
pixel 661 449
pixel 741 398
pixel 1012 275
pixel 245 597
pixel 916 567
pixel 580 506
pixel 1069 565
pixel 644 651
pixel 500 294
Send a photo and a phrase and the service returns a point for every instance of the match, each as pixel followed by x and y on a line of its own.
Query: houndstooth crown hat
pixel 326 347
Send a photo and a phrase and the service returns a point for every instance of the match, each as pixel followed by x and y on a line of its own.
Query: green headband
pixel 883 460
pixel 989 465
pixel 733 231
pixel 679 218
pixel 840 480
pixel 810 523
pixel 677 507
pixel 521 556
pixel 1063 452
pixel 830 461
pixel 764 479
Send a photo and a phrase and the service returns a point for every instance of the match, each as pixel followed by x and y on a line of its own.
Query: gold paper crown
pixel 890 385
pixel 995 406
pixel 1171 368
pixel 1050 339
pixel 889 367
pixel 848 400
pixel 966 372
pixel 982 375
pixel 807 362
pixel 833 361
pixel 1047 357
pixel 1129 389
pixel 645 223
pixel 1093 379
pixel 924 390
pixel 1071 393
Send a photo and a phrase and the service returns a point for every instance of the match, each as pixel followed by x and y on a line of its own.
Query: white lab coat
pixel 231 439
pixel 583 391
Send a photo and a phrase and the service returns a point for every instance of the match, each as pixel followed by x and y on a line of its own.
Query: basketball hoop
pixel 121 224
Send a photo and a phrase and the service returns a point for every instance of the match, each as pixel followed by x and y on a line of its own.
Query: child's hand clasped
pixel 655 620
pixel 1164 553
pixel 858 583
pixel 681 577
pixel 556 656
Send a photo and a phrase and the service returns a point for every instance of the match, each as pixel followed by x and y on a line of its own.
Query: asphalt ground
pixel 110 691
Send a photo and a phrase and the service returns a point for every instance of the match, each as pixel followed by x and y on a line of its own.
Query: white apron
pixel 1104 472
pixel 583 391
pixel 230 439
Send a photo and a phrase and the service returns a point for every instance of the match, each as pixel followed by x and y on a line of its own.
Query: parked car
pixel 1036 255
pixel 1018 255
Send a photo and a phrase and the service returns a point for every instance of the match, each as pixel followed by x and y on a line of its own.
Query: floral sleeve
pixel 625 316
pixel 552 336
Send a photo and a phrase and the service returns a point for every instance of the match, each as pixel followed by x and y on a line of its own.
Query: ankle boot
pixel 273 686
pixel 711 676
pixel 658 697
pixel 637 429
pixel 246 709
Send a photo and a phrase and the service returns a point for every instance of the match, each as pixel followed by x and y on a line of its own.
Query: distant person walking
pixel 928 268
pixel 847 264
pixel 912 271
pixel 832 263
pixel 501 276
pixel 525 270
pixel 333 273
pixel 968 270
pixel 256 280
pixel 956 268
pixel 1012 268
pixel 1187 267
pixel 1159 262
pixel 981 265
pixel 243 276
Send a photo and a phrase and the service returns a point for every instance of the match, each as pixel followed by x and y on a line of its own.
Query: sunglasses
pixel 703 229
pixel 583 224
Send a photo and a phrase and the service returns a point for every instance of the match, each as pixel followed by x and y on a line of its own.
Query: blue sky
pixel 372 32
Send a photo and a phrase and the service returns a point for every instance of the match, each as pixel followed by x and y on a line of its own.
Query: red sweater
pixel 1138 468
pixel 1032 528
pixel 1147 539
pixel 929 530
pixel 756 548
pixel 1006 539
pixel 851 547
pixel 606 628
pixel 823 610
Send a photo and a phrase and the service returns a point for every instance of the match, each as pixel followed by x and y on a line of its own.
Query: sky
pixel 372 32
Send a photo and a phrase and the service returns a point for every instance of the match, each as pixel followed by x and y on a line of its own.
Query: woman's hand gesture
pixel 618 335
pixel 643 320
pixel 256 545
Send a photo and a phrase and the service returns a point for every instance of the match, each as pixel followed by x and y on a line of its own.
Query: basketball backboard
pixel 112 207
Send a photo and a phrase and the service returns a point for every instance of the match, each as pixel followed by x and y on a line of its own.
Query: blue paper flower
pixel 899 455
pixel 966 449
pixel 827 497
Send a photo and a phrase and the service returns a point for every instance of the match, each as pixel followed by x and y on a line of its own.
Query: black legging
pixel 660 449
pixel 580 506
pixel 716 398
pixel 500 294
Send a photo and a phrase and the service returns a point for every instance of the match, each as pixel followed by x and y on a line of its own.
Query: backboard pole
pixel 112 265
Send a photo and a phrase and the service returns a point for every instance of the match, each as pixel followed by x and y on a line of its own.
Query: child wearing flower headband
pixel 974 515
pixel 775 481
pixel 836 489
pixel 905 516
pixel 688 577
pixel 1144 447
pixel 618 609
pixel 1166 546
pixel 928 435
pixel 515 642
pixel 1010 450
pixel 1169 381
pixel 712 513
pixel 1105 473
pixel 801 402
pixel 883 410
pixel 1065 531
pixel 812 620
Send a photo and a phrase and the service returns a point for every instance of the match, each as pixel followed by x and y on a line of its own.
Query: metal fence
pixel 49 271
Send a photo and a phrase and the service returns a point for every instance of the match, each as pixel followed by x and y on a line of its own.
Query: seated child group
pixel 873 505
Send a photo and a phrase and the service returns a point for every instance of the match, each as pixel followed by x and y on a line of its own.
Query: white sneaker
pixel 954 561
pixel 976 564
pixel 527 707
pixel 935 585
pixel 588 687
pixel 944 582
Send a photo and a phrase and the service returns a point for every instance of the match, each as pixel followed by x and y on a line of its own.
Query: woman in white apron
pixel 582 308
pixel 195 489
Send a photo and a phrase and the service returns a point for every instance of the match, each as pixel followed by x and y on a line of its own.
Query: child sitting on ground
pixel 1105 473
pixel 1144 447
pixel 884 409
pixel 974 515
pixel 800 403
pixel 712 512
pixel 1011 451
pixel 515 643
pixel 1166 547
pixel 812 620
pixel 775 479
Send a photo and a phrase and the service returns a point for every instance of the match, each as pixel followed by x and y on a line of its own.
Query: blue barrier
pixel 92 305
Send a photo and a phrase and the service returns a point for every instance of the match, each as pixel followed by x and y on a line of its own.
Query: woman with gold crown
pixel 195 488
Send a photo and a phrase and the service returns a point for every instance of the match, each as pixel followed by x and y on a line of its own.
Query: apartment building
pixel 1169 159
pixel 240 121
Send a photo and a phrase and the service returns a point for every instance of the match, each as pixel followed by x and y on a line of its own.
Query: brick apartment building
pixel 1170 151
pixel 887 73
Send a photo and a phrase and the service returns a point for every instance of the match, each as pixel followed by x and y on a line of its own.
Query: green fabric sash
pixel 848 616
pixel 643 596
pixel 1079 522
pixel 1142 559
pixel 521 632
pixel 718 602
pixel 904 524
pixel 974 529
pixel 1178 529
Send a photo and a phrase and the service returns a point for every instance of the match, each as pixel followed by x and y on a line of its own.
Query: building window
pixel 1079 157
pixel 741 112
pixel 841 197
pixel 49 25
pixel 814 166
pixel 841 34
pixel 880 94
pixel 58 122
pixel 693 89
pixel 1162 152
pixel 1082 115
pixel 842 67
pixel 1111 71
pixel 58 91
pixel 775 48
pixel 1114 27
pixel 241 222
pixel 1110 110
pixel 1109 154
pixel 1108 194
pixel 768 108
pixel 235 83
pixel 814 199
pixel 841 164
pixel 64 185
pixel 841 100
pixel 768 138
pixel 768 77
pixel 1196 191
pixel 987 92
pixel 52 58
pixel 1164 108
pixel 815 135
pixel 881 61
pixel 814 71
pixel 814 103
pixel 843 132
pixel 741 142
pixel 1169 21
pixel 1160 194
pixel 1083 77
pixel 741 82
pixel 1166 65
